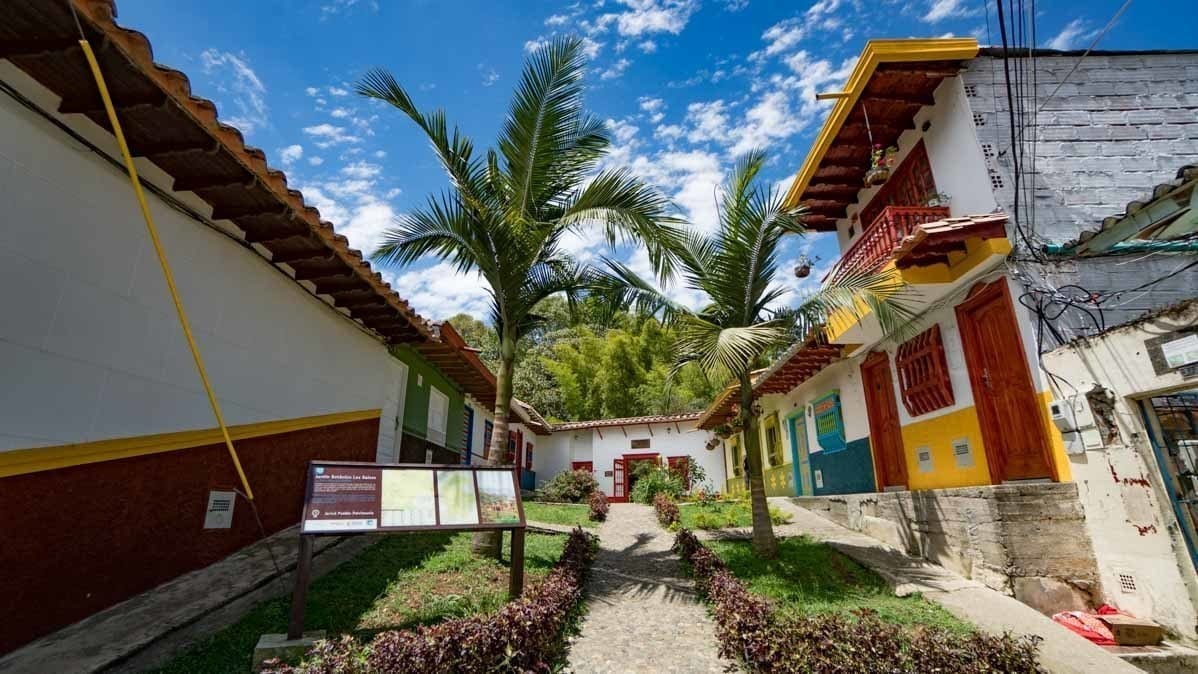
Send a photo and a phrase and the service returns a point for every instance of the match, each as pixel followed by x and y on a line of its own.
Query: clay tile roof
pixel 1185 176
pixel 931 242
pixel 720 409
pixel 628 421
pixel 182 135
pixel 530 417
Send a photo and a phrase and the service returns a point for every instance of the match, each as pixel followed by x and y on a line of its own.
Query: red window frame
pixel 922 371
pixel 528 455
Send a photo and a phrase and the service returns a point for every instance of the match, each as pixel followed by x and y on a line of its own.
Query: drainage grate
pixel 1127 582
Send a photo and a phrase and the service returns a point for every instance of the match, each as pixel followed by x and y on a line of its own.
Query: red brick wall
pixel 77 540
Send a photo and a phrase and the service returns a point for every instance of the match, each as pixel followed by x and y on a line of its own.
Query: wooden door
pixel 1008 409
pixel 618 482
pixel 885 433
pixel 800 457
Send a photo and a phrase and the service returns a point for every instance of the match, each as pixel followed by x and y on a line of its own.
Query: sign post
pixel 349 498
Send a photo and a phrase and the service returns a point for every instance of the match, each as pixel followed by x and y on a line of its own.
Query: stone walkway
pixel 642 615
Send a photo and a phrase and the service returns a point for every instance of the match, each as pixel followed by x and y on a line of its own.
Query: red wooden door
pixel 618 481
pixel 583 465
pixel 1008 409
pixel 885 433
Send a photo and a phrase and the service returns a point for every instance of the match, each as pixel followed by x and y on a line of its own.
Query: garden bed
pixel 400 582
pixel 723 515
pixel 568 514
pixel 837 620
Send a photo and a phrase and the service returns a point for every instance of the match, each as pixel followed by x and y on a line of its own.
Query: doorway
pixel 631 462
pixel 885 432
pixel 800 457
pixel 1008 409
pixel 1172 421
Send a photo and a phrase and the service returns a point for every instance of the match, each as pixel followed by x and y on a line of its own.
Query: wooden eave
pixel 182 135
pixel 892 80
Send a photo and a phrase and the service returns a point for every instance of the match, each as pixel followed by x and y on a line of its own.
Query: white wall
pixel 954 154
pixel 1128 514
pixel 90 348
pixel 665 440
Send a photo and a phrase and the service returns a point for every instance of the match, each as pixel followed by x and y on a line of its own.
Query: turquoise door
pixel 799 460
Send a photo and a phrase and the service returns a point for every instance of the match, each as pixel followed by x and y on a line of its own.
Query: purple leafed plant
pixel 667 510
pixel 523 636
pixel 599 506
pixel 752 633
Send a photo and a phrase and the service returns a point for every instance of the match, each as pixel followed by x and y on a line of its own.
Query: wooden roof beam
pixel 326 285
pixel 197 183
pixel 40 46
pixel 210 146
pixel 234 212
pixel 89 105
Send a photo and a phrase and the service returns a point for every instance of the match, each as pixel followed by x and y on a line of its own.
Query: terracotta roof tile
pixel 627 421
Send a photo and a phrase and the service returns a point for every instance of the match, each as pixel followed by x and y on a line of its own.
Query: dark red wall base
pixel 77 540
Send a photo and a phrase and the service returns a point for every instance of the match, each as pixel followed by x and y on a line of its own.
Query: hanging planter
pixel 879 171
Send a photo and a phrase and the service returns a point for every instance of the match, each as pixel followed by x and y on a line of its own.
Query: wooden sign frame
pixel 303 571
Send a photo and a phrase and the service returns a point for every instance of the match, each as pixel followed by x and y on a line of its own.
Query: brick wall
pixel 1028 541
pixel 1119 125
pixel 1105 135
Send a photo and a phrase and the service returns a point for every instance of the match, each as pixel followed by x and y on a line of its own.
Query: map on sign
pixel 344 497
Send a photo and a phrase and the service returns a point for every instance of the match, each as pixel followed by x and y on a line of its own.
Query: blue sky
pixel 686 84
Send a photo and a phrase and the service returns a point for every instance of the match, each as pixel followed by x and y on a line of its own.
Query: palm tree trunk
pixel 764 543
pixel 490 543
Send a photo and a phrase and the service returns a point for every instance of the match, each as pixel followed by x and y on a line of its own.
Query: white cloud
pixel 312 91
pixel 653 108
pixel 557 20
pixel 440 291
pixel 648 46
pixel 490 75
pixel 590 48
pixel 290 154
pixel 338 6
pixel 645 17
pixel 315 161
pixel 534 45
pixel 735 5
pixel 615 70
pixel 379 154
pixel 939 10
pixel 338 91
pixel 624 131
pixel 362 170
pixel 329 135
pixel 708 121
pixel 339 113
pixel 240 87
pixel 669 132
pixel 1070 36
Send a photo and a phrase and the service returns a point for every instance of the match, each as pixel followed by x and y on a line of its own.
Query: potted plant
pixel 890 157
pixel 934 199
pixel 878 172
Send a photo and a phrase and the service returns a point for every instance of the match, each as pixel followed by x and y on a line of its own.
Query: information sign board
pixel 344 498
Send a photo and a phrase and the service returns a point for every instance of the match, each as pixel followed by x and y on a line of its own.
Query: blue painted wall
pixel 849 471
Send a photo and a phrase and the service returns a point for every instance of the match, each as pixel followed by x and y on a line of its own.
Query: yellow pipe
pixel 166 268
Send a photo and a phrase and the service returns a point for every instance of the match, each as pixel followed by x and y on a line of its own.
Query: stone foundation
pixel 1028 541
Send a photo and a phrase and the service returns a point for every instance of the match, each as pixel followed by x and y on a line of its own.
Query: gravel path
pixel 642 615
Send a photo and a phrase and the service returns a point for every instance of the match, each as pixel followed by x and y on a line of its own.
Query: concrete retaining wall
pixel 1028 541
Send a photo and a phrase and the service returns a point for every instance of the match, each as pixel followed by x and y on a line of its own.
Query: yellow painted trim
pixel 22 461
pixel 1057 445
pixel 938 434
pixel 876 52
pixel 977 251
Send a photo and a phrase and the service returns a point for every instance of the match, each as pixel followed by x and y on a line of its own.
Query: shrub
pixel 574 486
pixel 780 516
pixel 667 510
pixel 654 480
pixel 599 506
pixel 525 635
pixel 748 630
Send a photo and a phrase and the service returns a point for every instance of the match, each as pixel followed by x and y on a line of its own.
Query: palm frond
pixel 857 293
pixel 619 287
pixel 725 352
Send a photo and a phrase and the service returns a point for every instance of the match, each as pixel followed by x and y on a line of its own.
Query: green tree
pixel 507 211
pixel 735 268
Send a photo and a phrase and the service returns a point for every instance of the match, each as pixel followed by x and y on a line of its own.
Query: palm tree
pixel 506 212
pixel 735 268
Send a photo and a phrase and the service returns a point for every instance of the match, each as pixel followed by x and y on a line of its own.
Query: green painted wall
pixel 415 414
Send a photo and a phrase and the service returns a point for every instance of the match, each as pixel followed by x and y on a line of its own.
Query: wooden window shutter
pixel 923 373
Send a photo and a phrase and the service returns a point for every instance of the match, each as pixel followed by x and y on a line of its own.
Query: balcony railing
pixel 883 235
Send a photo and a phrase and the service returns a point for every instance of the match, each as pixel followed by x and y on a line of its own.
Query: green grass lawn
pixel 402 581
pixel 569 514
pixel 809 578
pixel 722 515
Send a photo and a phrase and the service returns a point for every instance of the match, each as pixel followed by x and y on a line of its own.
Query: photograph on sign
pixel 408 499
pixel 497 492
pixel 455 497
pixel 342 498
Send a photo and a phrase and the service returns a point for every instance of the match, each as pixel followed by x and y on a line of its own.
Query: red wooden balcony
pixel 883 235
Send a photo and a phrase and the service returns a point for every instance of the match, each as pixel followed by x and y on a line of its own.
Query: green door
pixel 798 455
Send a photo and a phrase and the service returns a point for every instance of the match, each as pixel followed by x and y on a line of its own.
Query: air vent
pixel 962 453
pixel 220 510
pixel 988 150
pixel 1127 583
pixel 979 119
pixel 971 90
pixel 996 180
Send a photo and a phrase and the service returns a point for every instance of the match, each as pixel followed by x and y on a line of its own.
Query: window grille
pixel 923 373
